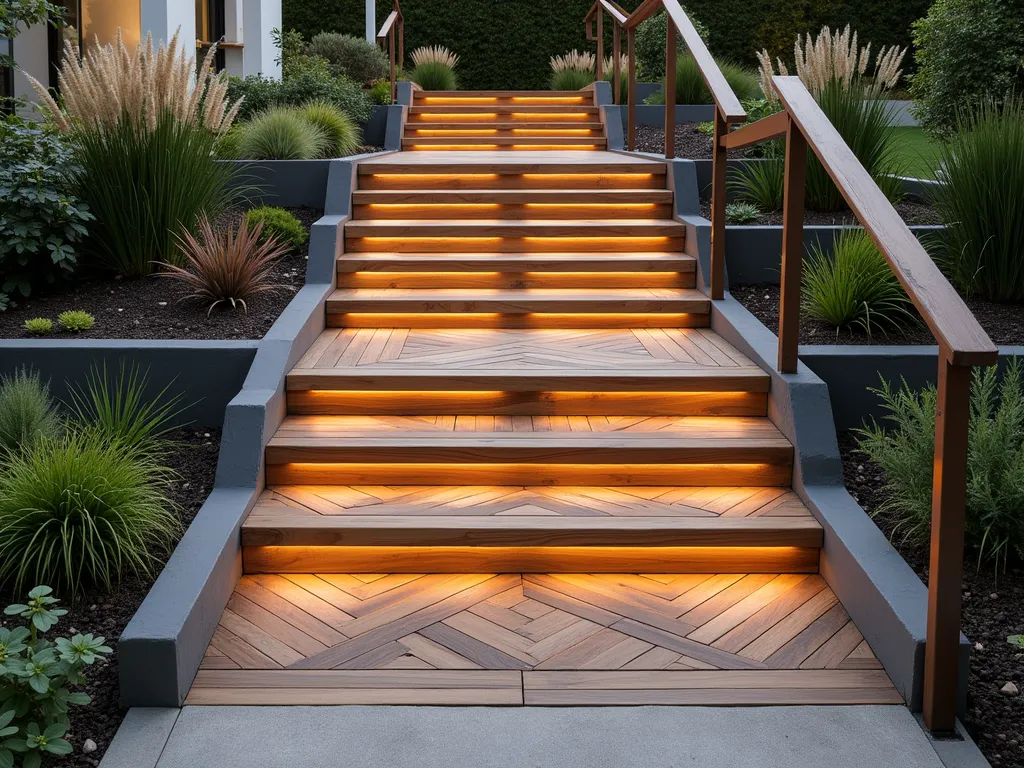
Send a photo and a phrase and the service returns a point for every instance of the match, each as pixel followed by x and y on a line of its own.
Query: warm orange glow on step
pixel 443 206
pixel 456 131
pixel 455 147
pixel 555 146
pixel 458 99
pixel 589 176
pixel 563 99
pixel 552 115
pixel 425 240
pixel 428 116
pixel 399 319
pixel 596 206
pixel 571 559
pixel 553 131
pixel 624 239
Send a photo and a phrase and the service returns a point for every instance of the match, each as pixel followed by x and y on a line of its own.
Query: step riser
pixel 504 112
pixel 509 280
pixel 530 560
pixel 409 244
pixel 517 147
pixel 532 320
pixel 556 264
pixel 534 130
pixel 515 211
pixel 544 403
pixel 523 305
pixel 469 180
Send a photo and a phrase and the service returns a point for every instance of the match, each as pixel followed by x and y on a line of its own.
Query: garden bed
pixel 107 613
pixel 690 142
pixel 912 213
pixel 1004 323
pixel 991 613
pixel 154 307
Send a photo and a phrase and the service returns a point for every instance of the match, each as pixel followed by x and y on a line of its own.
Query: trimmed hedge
pixel 507 44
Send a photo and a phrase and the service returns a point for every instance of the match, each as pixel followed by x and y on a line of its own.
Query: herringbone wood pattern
pixel 744 628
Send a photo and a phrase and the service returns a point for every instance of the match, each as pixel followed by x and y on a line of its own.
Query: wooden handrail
pixel 393 24
pixel 963 344
pixel 596 13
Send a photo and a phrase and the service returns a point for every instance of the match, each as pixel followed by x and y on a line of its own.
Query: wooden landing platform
pixel 546 640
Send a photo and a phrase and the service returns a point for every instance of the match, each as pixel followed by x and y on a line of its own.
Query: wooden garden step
pixel 524 228
pixel 540 96
pixel 563 143
pixel 461 163
pixel 517 262
pixel 512 196
pixel 506 126
pixel 507 280
pixel 464 449
pixel 563 111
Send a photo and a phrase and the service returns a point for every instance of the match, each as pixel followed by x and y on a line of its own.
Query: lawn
pixel 916 151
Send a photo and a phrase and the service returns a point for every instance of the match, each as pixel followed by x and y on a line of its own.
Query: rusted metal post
pixel 945 570
pixel 792 246
pixel 670 92
pixel 630 93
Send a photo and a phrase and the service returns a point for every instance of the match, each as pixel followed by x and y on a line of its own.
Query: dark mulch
pixel 690 142
pixel 912 213
pixel 154 307
pixel 992 611
pixel 1004 323
pixel 107 613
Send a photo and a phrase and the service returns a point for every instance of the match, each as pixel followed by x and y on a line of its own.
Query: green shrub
pixel 36 679
pixel 280 224
pixel 380 93
pixel 76 320
pixel 741 213
pixel 122 410
pixel 649 44
pixel 39 326
pixel 982 203
pixel 351 56
pixel 865 126
pixel 145 187
pixel 281 133
pixel 313 84
pixel 968 52
pixel 691 89
pixel 760 182
pixel 26 412
pixel 995 461
pixel 434 76
pixel 570 79
pixel 78 511
pixel 42 222
pixel 853 286
pixel 343 135
pixel 228 145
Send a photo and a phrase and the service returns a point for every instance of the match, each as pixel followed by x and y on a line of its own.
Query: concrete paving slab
pixel 533 737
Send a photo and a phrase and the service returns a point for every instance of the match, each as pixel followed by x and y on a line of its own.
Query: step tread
pixel 590 141
pixel 606 196
pixel 501 109
pixel 527 161
pixel 502 94
pixel 513 227
pixel 505 125
pixel 514 262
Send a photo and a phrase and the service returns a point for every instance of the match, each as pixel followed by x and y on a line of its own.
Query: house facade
pixel 241 28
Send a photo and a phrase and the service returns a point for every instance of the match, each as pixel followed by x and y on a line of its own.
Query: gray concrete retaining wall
pixel 161 648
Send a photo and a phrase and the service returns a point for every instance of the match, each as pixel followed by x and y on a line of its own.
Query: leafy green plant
pixel 434 76
pixel 79 510
pixel 691 89
pixel 26 412
pixel 982 203
pixel 380 93
pixel 42 222
pixel 968 53
pixel 39 326
pixel 281 133
pixel 342 134
pixel 37 678
pixel 853 285
pixel 122 409
pixel 995 461
pixel 350 56
pixel 741 213
pixel 228 267
pixel 760 182
pixel 570 79
pixel 76 320
pixel 228 145
pixel 865 126
pixel 309 84
pixel 145 187
pixel 279 224
pixel 649 45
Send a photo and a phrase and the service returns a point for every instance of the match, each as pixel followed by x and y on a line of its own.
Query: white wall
pixel 259 17
pixel 32 54
pixel 163 17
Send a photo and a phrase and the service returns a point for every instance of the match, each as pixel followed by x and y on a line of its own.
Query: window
pixel 210 27
pixel 101 18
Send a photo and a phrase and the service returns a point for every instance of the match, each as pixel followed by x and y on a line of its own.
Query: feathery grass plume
pixel 836 57
pixel 434 54
pixel 574 60
pixel 608 65
pixel 227 267
pixel 26 412
pixel 108 83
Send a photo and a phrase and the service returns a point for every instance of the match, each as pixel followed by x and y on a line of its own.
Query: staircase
pixel 520 447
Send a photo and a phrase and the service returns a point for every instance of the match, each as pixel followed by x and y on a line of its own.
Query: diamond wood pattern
pixel 566 639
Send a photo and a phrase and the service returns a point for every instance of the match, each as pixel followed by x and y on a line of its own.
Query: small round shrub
pixel 649 45
pixel 343 135
pixel 26 412
pixel 312 83
pixel 381 92
pixel 76 320
pixel 351 56
pixel 760 182
pixel 228 144
pixel 741 213
pixel 78 511
pixel 691 89
pixel 278 223
pixel 854 286
pixel 39 326
pixel 281 134
pixel 570 79
pixel 434 76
